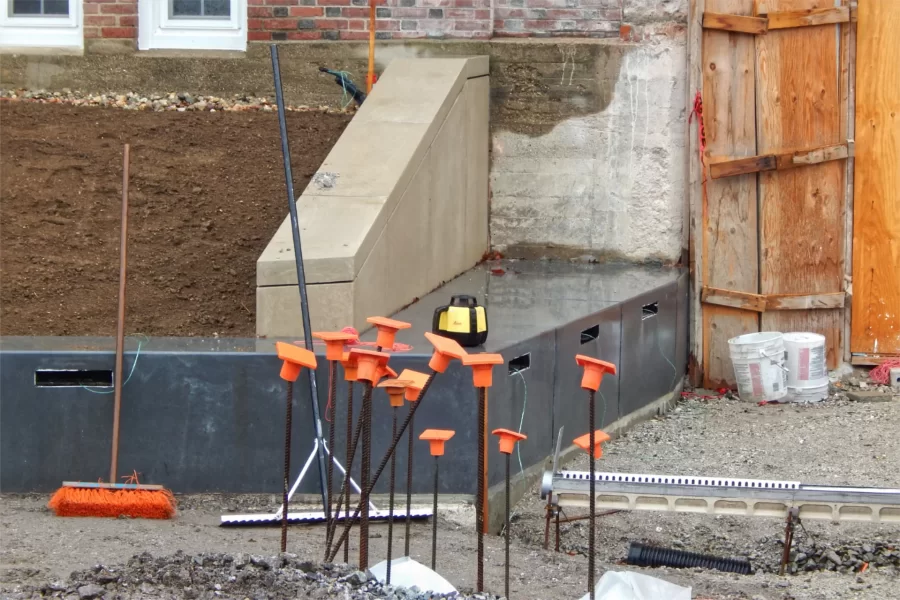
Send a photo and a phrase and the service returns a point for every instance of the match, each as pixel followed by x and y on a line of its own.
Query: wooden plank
pixel 742 166
pixel 876 215
pixel 730 209
pixel 805 301
pixel 734 23
pixel 820 155
pixel 808 18
pixel 742 300
pixel 848 109
pixel 694 194
pixel 871 360
pixel 801 210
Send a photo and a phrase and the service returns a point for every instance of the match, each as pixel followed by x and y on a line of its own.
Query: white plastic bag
pixel 625 585
pixel 405 572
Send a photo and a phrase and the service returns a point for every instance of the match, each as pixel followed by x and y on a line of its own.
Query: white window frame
pixel 158 31
pixel 42 31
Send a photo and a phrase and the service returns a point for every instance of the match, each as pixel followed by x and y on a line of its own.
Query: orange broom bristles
pixel 105 502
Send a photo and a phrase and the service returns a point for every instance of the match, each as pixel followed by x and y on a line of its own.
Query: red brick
pixel 276 24
pixel 254 24
pixel 354 35
pixel 119 32
pixel 119 9
pixel 511 13
pixel 107 20
pixel 409 13
pixel 457 13
pixel 306 11
pixel 563 13
pixel 258 36
pixel 357 24
pixel 356 12
pixel 281 2
pixel 470 25
pixel 128 21
pixel 91 32
pixel 259 11
pixel 304 35
pixel 625 32
pixel 331 24
pixel 92 9
pixel 483 14
pixel 100 1
pixel 256 3
pixel 386 25
pixel 333 2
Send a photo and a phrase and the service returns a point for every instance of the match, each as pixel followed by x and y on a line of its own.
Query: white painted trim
pixel 42 32
pixel 157 31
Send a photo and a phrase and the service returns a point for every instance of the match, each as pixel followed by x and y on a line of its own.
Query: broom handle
pixel 120 324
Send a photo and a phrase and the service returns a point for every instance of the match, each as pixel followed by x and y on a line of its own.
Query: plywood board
pixel 729 213
pixel 875 315
pixel 801 210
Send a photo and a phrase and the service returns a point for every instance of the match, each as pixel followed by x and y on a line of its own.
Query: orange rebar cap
pixel 387 330
pixel 584 442
pixel 295 358
pixel 416 383
pixel 508 439
pixel 385 371
pixel 334 342
pixel 482 367
pixel 395 388
pixel 593 371
pixel 350 364
pixel 445 350
pixel 368 364
pixel 436 438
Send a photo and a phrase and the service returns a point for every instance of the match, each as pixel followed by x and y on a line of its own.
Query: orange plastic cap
pixel 593 371
pixel 416 383
pixel 369 363
pixel 334 342
pixel 584 442
pixel 387 330
pixel 445 350
pixel 386 371
pixel 482 367
pixel 350 364
pixel 295 358
pixel 436 438
pixel 395 388
pixel 508 439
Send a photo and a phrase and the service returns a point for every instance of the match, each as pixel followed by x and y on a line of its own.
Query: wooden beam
pixel 742 300
pixel 805 302
pixel 808 18
pixel 734 23
pixel 781 161
pixel 871 360
pixel 742 166
pixel 695 191
pixel 820 155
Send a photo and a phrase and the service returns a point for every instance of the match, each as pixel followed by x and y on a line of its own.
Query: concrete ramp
pixel 399 206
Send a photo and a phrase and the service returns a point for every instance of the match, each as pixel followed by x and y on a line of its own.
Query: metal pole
pixel 332 400
pixel 287 463
pixel 409 472
pixel 479 494
pixel 349 458
pixel 301 277
pixel 120 323
pixel 434 519
pixel 506 574
pixel 366 471
pixel 593 500
pixel 390 540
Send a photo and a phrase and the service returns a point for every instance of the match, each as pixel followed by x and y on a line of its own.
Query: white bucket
pixel 758 360
pixel 806 360
pixel 804 395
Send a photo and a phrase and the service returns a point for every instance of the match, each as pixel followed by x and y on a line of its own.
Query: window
pixel 192 24
pixel 41 23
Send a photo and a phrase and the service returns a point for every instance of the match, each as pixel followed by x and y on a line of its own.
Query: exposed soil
pixel 206 195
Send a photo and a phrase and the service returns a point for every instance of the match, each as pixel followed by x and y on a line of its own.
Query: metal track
pixel 315 517
pixel 723 496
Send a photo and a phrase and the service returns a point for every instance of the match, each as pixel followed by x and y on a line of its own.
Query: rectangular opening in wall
pixel 73 378
pixel 590 334
pixel 519 363
pixel 649 310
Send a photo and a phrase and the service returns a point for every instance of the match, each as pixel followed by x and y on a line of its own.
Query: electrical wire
pixel 522 418
pixel 130 373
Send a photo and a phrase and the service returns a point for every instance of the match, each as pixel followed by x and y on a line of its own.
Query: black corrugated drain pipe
pixel 642 555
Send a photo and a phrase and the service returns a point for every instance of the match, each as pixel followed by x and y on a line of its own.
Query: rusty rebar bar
pixel 506 532
pixel 593 499
pixel 434 517
pixel 393 479
pixel 366 470
pixel 287 462
pixel 332 401
pixel 479 494
pixel 409 478
pixel 120 321
pixel 349 459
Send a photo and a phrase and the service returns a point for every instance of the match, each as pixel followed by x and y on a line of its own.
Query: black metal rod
pixel 345 488
pixel 349 458
pixel 366 471
pixel 301 277
pixel 434 517
pixel 409 472
pixel 393 480
pixel 346 532
pixel 506 573
pixel 479 493
pixel 593 500
pixel 332 400
pixel 287 463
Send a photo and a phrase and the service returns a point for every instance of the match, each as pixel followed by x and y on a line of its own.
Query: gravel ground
pixel 836 442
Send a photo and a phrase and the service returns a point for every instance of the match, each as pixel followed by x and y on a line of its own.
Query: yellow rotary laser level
pixel 462 321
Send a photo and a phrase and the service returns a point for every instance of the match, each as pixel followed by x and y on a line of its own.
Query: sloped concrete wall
pixel 399 206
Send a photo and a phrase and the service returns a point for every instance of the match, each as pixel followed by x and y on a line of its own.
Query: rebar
pixel 390 540
pixel 434 518
pixel 366 470
pixel 287 462
pixel 479 494
pixel 788 538
pixel 409 474
pixel 349 458
pixel 506 531
pixel 332 401
pixel 120 321
pixel 593 500
pixel 346 532
pixel 345 486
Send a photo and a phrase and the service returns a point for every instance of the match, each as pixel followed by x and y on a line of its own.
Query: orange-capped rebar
pixel 334 342
pixel 445 350
pixel 416 383
pixel 387 330
pixel 295 358
pixel 350 364
pixel 584 442
pixel 368 362
pixel 436 439
pixel 508 439
pixel 386 371
pixel 593 371
pixel 395 388
pixel 482 367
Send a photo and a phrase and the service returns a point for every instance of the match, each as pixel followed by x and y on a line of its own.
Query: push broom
pixel 130 499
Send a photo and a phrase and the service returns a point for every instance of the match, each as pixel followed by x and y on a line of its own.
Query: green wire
pixel 130 373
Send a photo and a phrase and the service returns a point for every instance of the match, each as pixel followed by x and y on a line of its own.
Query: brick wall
pixel 110 19
pixel 537 18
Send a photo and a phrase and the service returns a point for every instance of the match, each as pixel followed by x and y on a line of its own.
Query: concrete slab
pixel 477 236
pixel 278 308
pixel 873 396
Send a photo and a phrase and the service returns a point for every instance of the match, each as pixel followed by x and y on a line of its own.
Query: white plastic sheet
pixel 405 572
pixel 625 585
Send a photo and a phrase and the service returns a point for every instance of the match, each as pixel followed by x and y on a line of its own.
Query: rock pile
pixel 846 559
pixel 223 576
pixel 172 101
